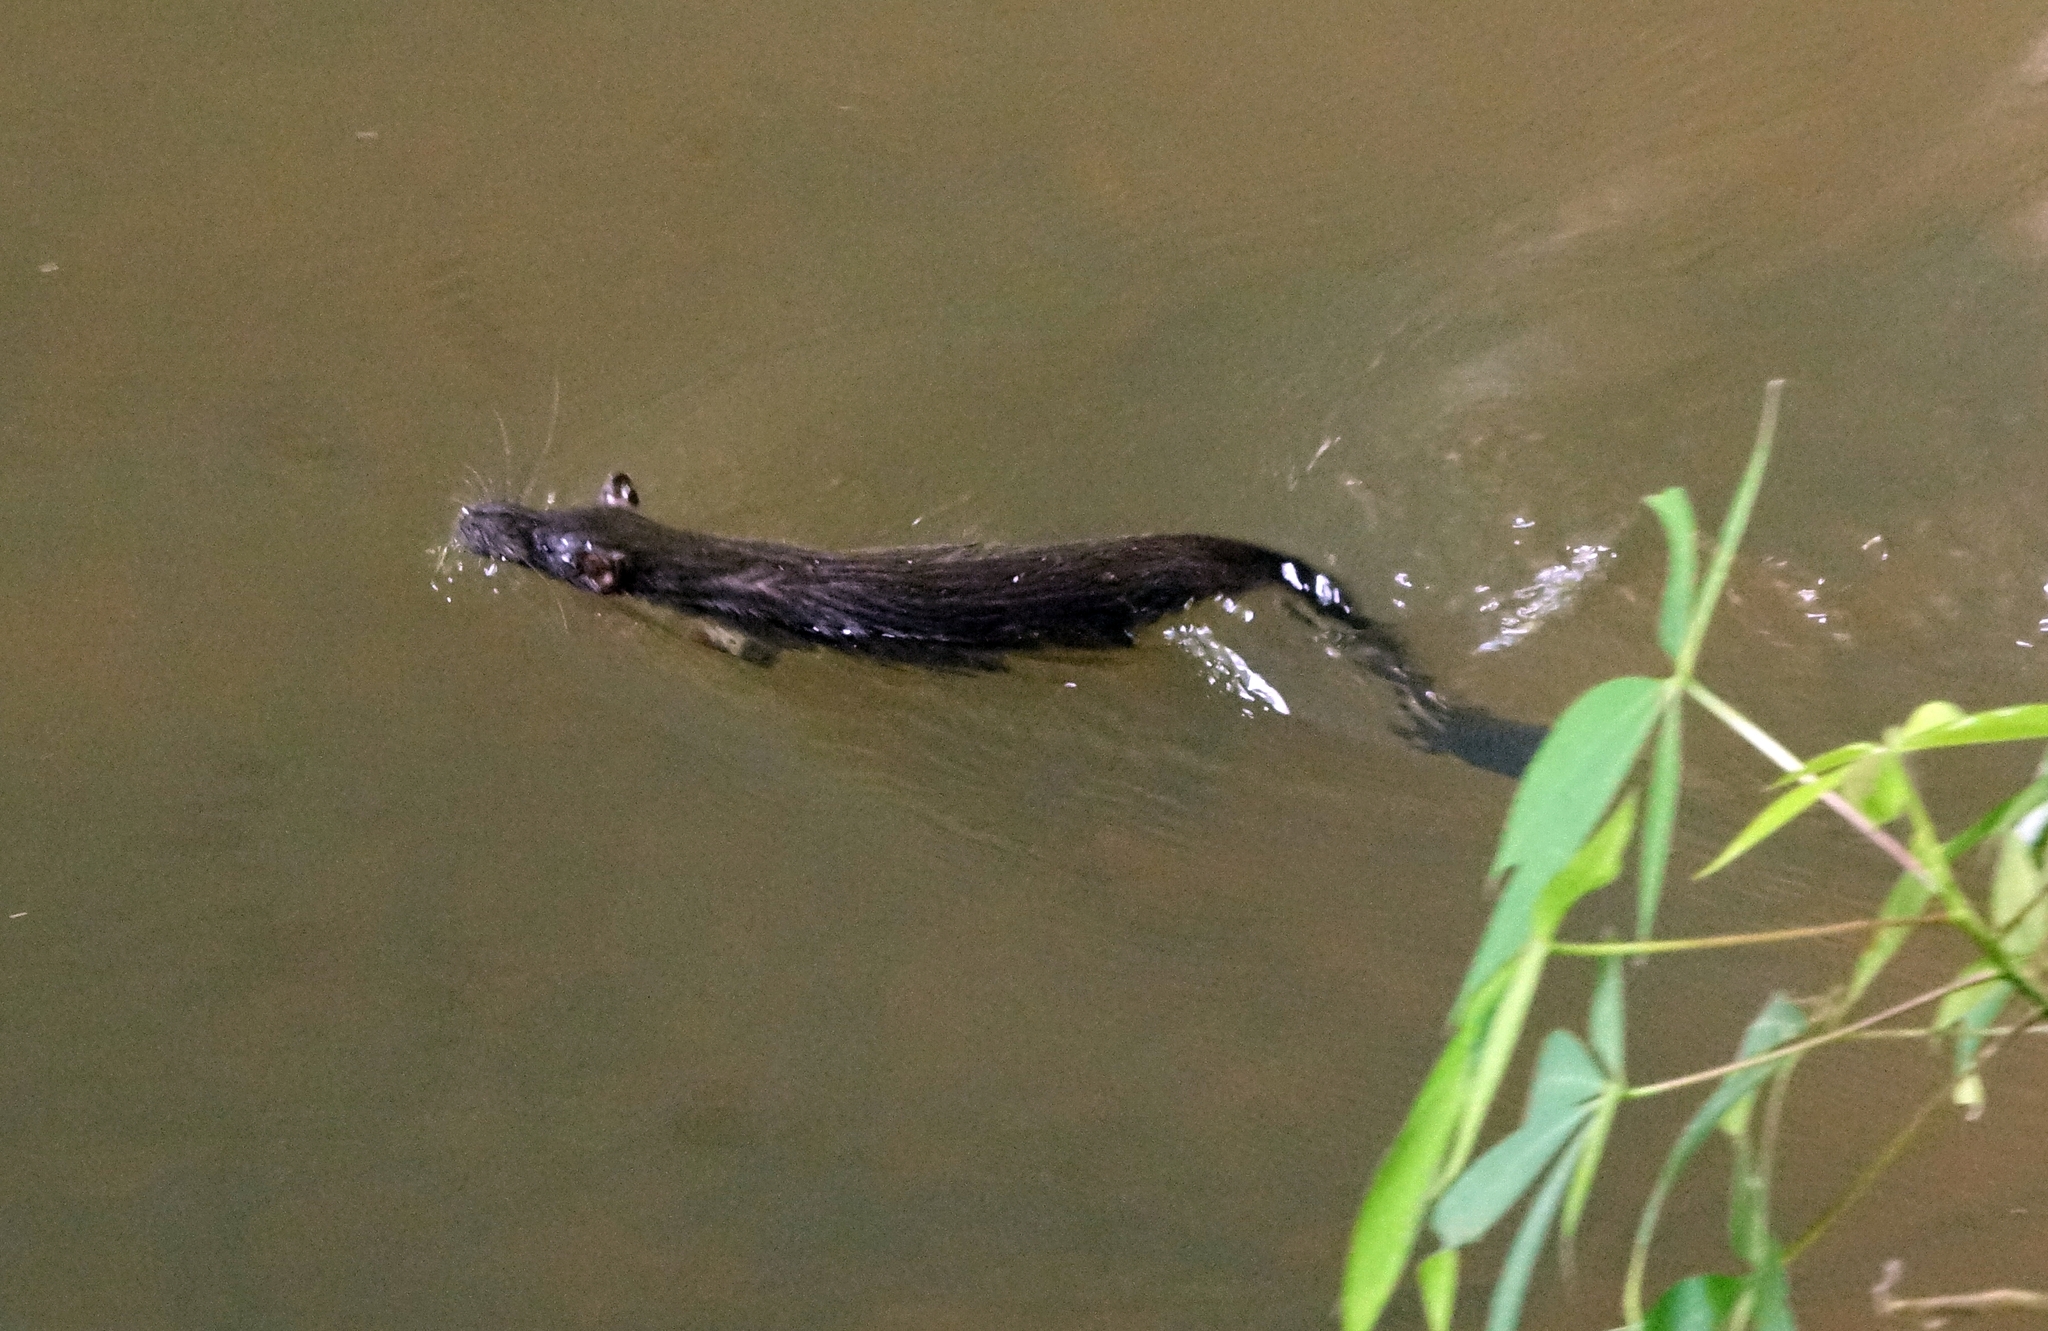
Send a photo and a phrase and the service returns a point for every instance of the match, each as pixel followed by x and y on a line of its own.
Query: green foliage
pixel 1403 1184
pixel 1436 1279
pixel 1779 1022
pixel 1696 1303
pixel 1568 833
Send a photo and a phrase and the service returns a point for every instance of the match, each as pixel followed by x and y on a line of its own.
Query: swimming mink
pixel 956 605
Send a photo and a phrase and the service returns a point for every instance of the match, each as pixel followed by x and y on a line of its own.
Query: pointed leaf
pixel 1606 1018
pixel 1594 1146
pixel 1779 1022
pixel 1436 1280
pixel 1696 1303
pixel 1597 864
pixel 1563 1093
pixel 1828 762
pixel 1776 814
pixel 1564 1089
pixel 1879 786
pixel 1682 544
pixel 1391 1215
pixel 1566 1076
pixel 1958 1004
pixel 1511 1287
pixel 1929 716
pixel 1970 1012
pixel 1993 727
pixel 2019 908
pixel 1660 815
pixel 2004 817
pixel 1733 523
pixel 1907 898
pixel 1560 800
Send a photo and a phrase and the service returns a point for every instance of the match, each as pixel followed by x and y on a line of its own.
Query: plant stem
pixel 1923 1032
pixel 1888 1304
pixel 1867 1177
pixel 1654 945
pixel 1760 740
pixel 1801 1046
pixel 1733 524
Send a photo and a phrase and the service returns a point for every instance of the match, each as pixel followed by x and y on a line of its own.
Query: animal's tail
pixel 1436 724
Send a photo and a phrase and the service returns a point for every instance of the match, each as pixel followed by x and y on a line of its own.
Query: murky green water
pixel 392 945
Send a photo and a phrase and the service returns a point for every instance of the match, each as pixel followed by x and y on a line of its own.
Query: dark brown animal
pixel 955 605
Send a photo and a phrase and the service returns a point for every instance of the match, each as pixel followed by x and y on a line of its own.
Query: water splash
pixel 1553 590
pixel 1224 668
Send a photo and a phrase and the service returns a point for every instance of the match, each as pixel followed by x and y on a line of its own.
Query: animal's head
pixel 567 543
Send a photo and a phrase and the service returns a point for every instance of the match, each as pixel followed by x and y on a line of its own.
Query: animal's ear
pixel 596 568
pixel 618 492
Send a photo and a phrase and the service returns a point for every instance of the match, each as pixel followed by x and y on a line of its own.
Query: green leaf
pixel 1511 1287
pixel 1660 815
pixel 1970 1013
pixel 1994 727
pixel 2019 910
pixel 1590 1151
pixel 1563 1093
pixel 1907 898
pixel 1606 1018
pixel 1596 865
pixel 1770 1295
pixel 1776 814
pixel 1734 1121
pixel 1566 1076
pixel 1879 786
pixel 2002 818
pixel 1560 800
pixel 1779 1022
pixel 1391 1214
pixel 1930 716
pixel 1749 1221
pixel 1681 576
pixel 1733 524
pixel 1956 1005
pixel 1436 1279
pixel 1828 762
pixel 1696 1303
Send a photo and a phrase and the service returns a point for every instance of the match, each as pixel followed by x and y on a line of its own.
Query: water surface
pixel 390 943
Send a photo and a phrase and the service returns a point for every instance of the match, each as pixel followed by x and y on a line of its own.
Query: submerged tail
pixel 1492 743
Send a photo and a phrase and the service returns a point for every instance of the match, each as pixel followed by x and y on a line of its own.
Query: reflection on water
pixel 1226 669
pixel 1553 591
pixel 387 941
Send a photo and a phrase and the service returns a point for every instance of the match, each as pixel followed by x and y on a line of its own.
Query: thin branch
pixel 1801 1046
pixel 1983 1301
pixel 1866 1178
pixel 1737 940
pixel 1786 761
pixel 1922 1032
pixel 1935 878
pixel 1876 835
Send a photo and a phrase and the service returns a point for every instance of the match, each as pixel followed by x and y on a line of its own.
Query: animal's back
pixel 988 598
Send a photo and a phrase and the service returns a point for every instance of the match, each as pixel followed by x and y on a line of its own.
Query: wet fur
pixel 953 605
